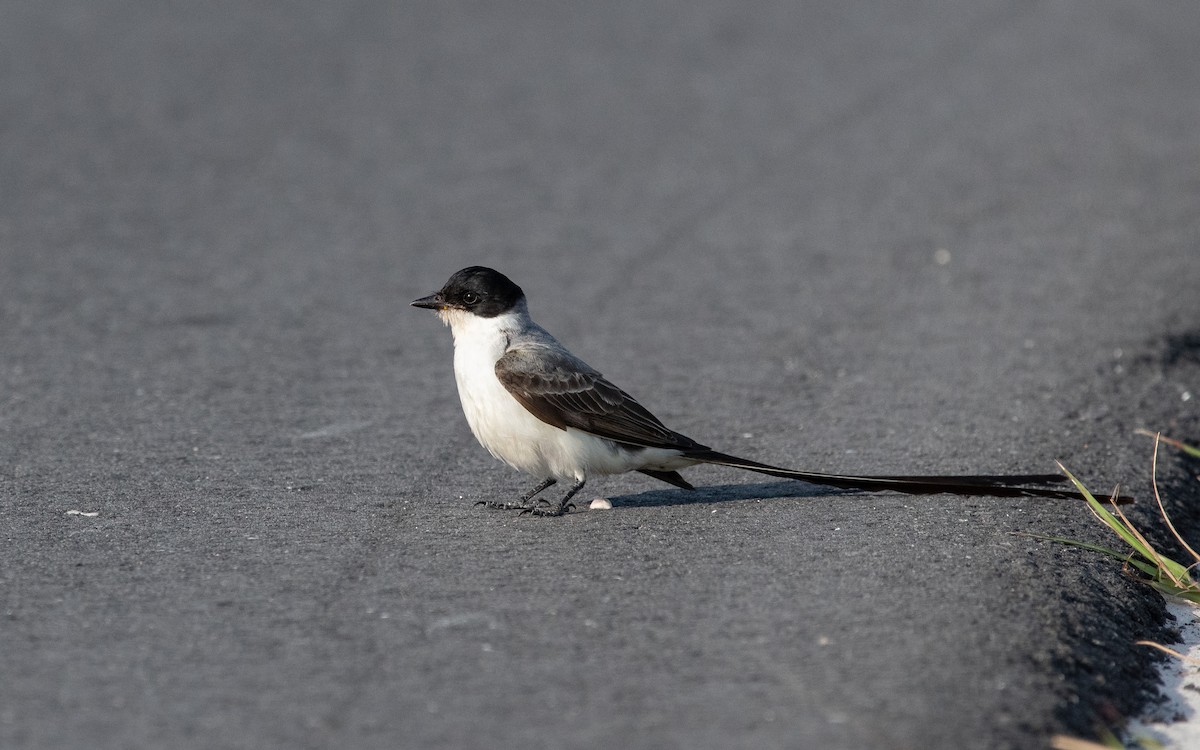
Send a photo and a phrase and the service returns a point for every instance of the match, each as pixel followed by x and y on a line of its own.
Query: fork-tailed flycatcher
pixel 542 410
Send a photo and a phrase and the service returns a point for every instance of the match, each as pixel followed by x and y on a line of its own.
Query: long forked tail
pixel 986 485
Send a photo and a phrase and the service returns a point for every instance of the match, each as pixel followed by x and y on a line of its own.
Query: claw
pixel 495 505
pixel 549 512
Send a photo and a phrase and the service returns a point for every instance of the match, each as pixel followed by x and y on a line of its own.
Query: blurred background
pixel 919 237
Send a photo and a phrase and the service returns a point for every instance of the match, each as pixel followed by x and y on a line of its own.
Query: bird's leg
pixel 563 506
pixel 523 502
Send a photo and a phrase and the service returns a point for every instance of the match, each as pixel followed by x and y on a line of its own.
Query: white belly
pixel 510 433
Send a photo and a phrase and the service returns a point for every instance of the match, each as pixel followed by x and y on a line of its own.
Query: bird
pixel 542 410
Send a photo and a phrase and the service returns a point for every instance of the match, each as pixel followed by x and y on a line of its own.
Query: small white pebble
pixel 601 503
pixel 1186 396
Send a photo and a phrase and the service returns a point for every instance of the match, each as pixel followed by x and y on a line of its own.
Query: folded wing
pixel 563 391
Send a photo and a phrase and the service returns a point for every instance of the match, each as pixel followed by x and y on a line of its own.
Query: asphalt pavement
pixel 238 495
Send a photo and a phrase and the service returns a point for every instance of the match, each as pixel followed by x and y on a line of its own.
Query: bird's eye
pixel 470 298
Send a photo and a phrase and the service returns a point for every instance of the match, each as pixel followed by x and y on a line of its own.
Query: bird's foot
pixel 497 505
pixel 536 508
pixel 527 505
pixel 545 509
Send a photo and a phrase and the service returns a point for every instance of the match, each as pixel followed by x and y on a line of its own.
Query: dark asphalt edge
pixel 1112 679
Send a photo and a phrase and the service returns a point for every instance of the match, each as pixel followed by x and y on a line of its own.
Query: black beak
pixel 432 302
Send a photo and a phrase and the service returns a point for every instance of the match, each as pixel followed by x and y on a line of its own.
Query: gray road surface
pixel 918 238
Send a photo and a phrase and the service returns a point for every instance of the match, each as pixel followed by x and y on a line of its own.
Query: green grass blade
pixel 1108 518
pixel 1076 543
pixel 1189 449
pixel 1178 573
pixel 1126 557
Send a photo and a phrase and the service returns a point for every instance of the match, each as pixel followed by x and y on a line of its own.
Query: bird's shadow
pixel 721 493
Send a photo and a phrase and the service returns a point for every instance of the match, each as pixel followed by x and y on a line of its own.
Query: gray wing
pixel 562 391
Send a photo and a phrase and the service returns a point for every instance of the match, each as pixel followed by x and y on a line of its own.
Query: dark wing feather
pixel 564 392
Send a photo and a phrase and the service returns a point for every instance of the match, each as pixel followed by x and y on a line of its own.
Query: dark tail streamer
pixel 976 485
